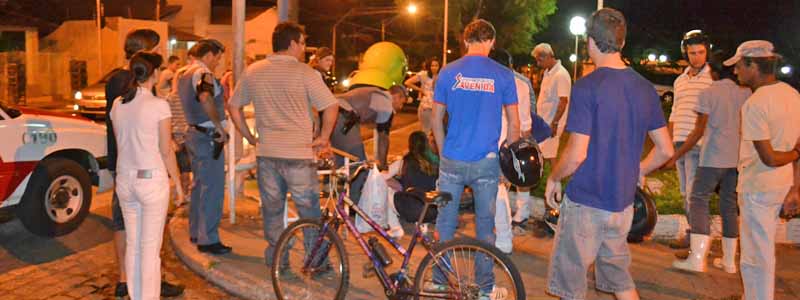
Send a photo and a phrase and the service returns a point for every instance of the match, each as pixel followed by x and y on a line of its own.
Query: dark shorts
pixel 184 159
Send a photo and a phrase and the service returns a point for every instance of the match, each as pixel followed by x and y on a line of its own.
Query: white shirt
pixel 684 108
pixel 769 114
pixel 524 107
pixel 556 83
pixel 136 129
pixel 426 82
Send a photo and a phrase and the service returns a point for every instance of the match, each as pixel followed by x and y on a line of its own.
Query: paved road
pixel 79 265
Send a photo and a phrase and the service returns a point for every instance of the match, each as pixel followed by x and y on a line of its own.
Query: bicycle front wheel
pixel 309 266
pixel 466 268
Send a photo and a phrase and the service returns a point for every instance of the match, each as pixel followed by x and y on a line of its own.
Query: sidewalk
pixel 244 274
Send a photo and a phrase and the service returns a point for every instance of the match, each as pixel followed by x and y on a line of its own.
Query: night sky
pixel 660 24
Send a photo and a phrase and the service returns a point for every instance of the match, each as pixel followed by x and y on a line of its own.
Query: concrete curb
pixel 240 284
pixel 670 227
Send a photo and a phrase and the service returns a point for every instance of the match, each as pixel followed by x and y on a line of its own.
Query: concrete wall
pixel 77 40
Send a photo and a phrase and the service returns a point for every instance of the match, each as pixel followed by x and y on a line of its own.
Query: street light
pixel 785 70
pixel 412 8
pixel 573 58
pixel 651 57
pixel 577 26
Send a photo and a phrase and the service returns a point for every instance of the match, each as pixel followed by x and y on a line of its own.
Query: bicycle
pixel 320 263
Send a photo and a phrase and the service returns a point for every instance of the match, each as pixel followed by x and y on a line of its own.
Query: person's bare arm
pixel 438 125
pixel 512 117
pixel 412 83
pixel 661 152
pixel 329 115
pixel 773 158
pixel 562 107
pixel 692 139
pixel 572 158
pixel 237 115
pixel 207 101
pixel 168 154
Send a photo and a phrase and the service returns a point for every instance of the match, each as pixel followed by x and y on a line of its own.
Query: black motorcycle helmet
pixel 695 37
pixel 521 162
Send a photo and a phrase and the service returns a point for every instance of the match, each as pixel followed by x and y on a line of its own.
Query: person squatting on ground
pixel 718 121
pixel 423 83
pixel 145 163
pixel 553 99
pixel 503 215
pixel 416 173
pixel 695 47
pixel 283 91
pixel 136 40
pixel 204 108
pixel 768 158
pixel 474 91
pixel 611 110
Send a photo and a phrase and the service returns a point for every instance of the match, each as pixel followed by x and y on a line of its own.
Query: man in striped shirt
pixel 695 79
pixel 283 91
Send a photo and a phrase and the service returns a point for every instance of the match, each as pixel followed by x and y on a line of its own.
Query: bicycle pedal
pixel 368 270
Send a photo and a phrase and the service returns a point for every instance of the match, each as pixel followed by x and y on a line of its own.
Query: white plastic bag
pixel 373 200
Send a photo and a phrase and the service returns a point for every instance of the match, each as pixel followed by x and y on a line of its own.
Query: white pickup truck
pixel 48 164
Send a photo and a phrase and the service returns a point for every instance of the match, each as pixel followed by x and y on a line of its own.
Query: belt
pixel 144 174
pixel 202 129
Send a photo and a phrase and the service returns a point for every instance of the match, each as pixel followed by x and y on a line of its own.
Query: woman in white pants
pixel 145 163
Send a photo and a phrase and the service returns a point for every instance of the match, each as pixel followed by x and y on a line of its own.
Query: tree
pixel 516 21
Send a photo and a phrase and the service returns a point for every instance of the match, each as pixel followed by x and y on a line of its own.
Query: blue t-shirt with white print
pixel 475 90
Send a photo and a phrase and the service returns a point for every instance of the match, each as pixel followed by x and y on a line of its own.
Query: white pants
pixel 502 221
pixel 759 219
pixel 144 203
pixel 522 204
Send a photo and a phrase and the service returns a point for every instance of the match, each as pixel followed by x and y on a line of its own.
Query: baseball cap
pixel 755 48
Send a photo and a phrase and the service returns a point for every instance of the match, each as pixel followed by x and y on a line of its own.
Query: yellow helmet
pixel 383 65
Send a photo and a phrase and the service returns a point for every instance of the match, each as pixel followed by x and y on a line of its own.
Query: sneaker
pixel 171 290
pixel 121 290
pixel 519 231
pixel 431 287
pixel 498 293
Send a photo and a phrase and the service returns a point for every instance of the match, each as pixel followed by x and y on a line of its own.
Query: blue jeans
pixel 705 181
pixel 208 193
pixel 482 176
pixel 276 176
pixel 687 167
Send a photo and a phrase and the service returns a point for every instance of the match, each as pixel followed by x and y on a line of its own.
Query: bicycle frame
pixel 391 285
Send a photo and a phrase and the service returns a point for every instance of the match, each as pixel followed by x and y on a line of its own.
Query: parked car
pixel 91 100
pixel 48 165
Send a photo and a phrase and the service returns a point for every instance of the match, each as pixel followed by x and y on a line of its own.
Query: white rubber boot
pixel 728 260
pixel 696 262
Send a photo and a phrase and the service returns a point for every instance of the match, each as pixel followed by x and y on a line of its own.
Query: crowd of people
pixel 731 125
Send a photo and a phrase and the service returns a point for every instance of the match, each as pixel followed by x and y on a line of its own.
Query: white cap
pixel 755 48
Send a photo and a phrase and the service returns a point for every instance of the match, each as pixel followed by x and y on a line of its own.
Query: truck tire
pixel 57 198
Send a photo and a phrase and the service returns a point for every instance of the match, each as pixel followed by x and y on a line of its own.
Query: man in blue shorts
pixel 611 111
pixel 474 91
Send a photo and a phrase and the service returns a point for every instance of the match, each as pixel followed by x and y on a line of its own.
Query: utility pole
pixel 158 10
pixel 238 68
pixel 99 41
pixel 599 4
pixel 444 44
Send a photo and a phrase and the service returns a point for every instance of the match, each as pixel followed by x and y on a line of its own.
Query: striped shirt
pixel 179 125
pixel 684 108
pixel 283 92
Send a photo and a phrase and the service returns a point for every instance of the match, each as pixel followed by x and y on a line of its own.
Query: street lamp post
pixel 412 10
pixel 577 26
pixel 444 43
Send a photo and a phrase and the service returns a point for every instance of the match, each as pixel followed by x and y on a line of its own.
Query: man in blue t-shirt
pixel 473 90
pixel 611 112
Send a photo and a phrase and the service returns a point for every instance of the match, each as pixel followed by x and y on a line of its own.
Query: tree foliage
pixel 516 21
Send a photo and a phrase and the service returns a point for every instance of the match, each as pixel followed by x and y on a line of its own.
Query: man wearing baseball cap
pixel 768 155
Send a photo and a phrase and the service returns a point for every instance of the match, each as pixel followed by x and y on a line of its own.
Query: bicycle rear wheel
pixel 309 267
pixel 465 268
